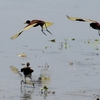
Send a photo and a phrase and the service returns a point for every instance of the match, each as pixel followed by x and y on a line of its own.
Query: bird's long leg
pixel 32 81
pixel 99 32
pixel 25 80
pixel 22 82
pixel 42 30
pixel 47 29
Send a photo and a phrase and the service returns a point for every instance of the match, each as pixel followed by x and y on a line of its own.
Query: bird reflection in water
pixel 26 93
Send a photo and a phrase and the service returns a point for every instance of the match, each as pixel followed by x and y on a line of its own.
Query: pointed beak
pixel 25 23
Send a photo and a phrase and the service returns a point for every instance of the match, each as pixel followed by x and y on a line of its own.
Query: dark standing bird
pixel 94 24
pixel 34 23
pixel 27 71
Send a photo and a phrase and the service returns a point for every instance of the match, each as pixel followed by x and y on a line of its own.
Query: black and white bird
pixel 27 71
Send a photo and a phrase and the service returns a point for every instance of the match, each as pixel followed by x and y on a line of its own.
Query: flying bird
pixel 34 23
pixel 94 24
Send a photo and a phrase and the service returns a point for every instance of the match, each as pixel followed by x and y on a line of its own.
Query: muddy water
pixel 73 65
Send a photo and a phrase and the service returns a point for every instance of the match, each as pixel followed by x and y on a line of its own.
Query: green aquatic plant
pixel 53 40
pixel 73 39
pixel 67 39
pixel 64 45
pixel 44 89
pixel 45 74
pixel 46 47
pixel 96 41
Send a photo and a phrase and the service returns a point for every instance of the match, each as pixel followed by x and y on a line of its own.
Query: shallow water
pixel 73 65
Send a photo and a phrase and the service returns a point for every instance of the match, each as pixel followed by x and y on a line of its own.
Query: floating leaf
pixel 22 55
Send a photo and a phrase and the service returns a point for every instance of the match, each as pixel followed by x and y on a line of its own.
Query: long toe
pixel 44 33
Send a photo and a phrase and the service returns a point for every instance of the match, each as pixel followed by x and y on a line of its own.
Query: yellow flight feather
pixel 47 24
pixel 15 70
pixel 26 28
pixel 79 19
pixel 16 35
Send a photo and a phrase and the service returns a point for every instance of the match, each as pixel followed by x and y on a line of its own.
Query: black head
pixel 28 64
pixel 27 22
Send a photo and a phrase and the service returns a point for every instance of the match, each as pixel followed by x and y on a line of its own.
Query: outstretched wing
pixel 47 24
pixel 16 35
pixel 80 19
pixel 26 28
pixel 14 69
